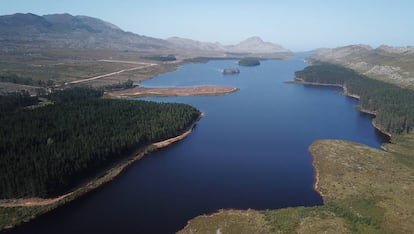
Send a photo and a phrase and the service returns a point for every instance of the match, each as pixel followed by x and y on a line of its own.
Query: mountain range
pixel 30 31
pixel 67 31
pixel 250 45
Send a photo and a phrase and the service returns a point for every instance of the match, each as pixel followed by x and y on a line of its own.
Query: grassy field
pixel 57 67
pixel 365 190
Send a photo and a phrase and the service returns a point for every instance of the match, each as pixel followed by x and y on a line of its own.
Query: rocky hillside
pixel 390 64
pixel 30 31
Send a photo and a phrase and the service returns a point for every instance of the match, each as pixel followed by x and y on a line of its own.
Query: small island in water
pixel 231 71
pixel 249 62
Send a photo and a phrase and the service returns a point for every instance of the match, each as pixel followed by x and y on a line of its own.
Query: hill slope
pixel 390 64
pixel 30 31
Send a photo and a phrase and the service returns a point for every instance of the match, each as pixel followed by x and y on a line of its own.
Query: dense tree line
pixel 46 151
pixel 161 58
pixel 393 105
pixel 13 78
pixel 75 94
pixel 249 62
pixel 13 101
pixel 124 85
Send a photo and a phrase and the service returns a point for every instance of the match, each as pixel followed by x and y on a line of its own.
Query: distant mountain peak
pixel 254 39
pixel 257 45
pixel 64 30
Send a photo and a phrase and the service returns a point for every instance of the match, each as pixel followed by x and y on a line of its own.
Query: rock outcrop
pixel 231 71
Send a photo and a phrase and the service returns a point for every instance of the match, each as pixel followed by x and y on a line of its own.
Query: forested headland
pixel 46 151
pixel 393 105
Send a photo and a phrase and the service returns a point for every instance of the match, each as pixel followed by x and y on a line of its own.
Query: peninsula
pixel 365 190
pixel 205 90
pixel 140 127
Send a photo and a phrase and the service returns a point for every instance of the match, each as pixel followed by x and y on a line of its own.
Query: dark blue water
pixel 249 151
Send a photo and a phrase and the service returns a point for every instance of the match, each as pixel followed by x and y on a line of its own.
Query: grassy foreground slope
pixel 365 190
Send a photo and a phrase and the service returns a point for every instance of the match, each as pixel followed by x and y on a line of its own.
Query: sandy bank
pixel 205 90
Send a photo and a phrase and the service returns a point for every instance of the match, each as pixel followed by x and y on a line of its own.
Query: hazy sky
pixel 295 24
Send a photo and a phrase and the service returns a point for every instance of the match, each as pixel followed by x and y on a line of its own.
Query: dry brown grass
pixel 350 171
pixel 228 221
pixel 63 66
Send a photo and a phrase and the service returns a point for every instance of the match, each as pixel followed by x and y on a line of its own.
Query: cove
pixel 249 151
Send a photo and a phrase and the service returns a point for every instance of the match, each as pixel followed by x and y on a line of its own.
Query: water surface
pixel 249 151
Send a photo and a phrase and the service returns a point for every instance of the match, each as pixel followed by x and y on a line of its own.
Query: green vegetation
pixel 46 151
pixel 161 58
pixel 13 101
pixel 228 221
pixel 353 215
pixel 124 85
pixel 75 94
pixel 303 220
pixel 13 78
pixel 206 59
pixel 249 62
pixel 368 188
pixel 393 105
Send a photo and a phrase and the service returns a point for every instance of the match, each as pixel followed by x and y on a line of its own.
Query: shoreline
pixel 100 180
pixel 316 178
pixel 298 80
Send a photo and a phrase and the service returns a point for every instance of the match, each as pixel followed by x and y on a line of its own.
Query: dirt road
pixel 144 65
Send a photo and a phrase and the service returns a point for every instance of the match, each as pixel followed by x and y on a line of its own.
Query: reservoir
pixel 249 151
